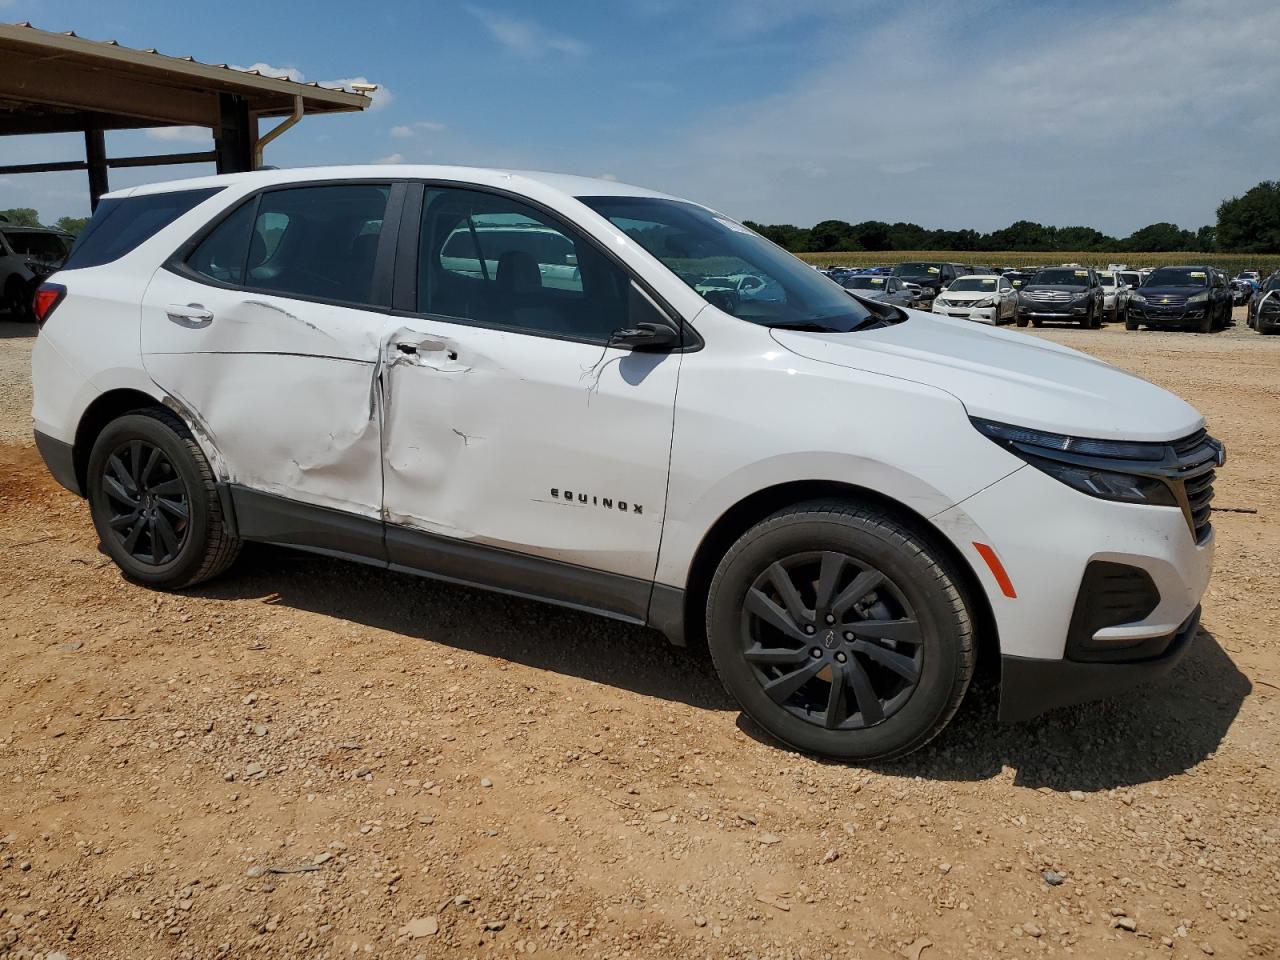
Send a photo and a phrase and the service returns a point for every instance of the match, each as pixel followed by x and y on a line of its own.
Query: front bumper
pixel 1030 687
pixel 1046 535
pixel 981 314
pixel 1175 316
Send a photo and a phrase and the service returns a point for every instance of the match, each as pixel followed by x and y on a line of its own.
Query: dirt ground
pixel 310 758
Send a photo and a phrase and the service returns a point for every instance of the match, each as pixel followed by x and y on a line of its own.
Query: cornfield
pixel 1232 263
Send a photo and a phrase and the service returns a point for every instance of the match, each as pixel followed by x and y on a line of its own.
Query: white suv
pixel 846 499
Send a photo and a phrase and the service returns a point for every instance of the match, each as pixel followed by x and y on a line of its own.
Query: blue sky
pixel 969 113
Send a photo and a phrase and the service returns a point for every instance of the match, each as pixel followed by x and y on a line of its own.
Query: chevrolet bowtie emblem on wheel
pixel 829 639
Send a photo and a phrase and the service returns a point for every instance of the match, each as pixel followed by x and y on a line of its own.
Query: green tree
pixel 872 235
pixel 72 225
pixel 1159 238
pixel 21 217
pixel 832 235
pixel 1251 223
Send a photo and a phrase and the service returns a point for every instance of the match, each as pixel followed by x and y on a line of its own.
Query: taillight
pixel 47 298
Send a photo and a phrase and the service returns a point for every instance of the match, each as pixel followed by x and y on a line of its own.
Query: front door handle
pixel 189 315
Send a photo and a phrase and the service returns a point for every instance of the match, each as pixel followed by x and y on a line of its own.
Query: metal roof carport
pixel 61 83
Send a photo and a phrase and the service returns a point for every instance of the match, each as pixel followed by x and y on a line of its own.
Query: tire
pixel 1094 320
pixel 896 694
pixel 1037 322
pixel 15 301
pixel 1019 319
pixel 1206 324
pixel 145 469
pixel 1130 323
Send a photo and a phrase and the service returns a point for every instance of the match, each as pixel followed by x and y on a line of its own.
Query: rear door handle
pixel 189 315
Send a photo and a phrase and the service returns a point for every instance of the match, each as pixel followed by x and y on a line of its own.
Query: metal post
pixel 95 154
pixel 233 140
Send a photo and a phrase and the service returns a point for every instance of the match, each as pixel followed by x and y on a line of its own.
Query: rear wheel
pixel 155 504
pixel 841 631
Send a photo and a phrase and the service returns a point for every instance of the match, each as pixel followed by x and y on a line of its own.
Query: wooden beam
pixel 95 153
pixel 44 167
pixel 76 87
pixel 20 123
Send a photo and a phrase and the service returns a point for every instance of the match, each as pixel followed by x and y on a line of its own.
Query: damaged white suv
pixel 573 390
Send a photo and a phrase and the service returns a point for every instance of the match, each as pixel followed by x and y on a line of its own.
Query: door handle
pixel 189 315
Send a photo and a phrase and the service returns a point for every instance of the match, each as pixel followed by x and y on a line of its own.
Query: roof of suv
pixel 562 183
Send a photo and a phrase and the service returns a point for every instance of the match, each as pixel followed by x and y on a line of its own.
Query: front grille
pixel 1172 300
pixel 1050 296
pixel 1196 457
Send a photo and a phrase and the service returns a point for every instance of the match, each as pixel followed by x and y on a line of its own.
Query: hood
pixel 923 279
pixel 1067 287
pixel 866 294
pixel 1182 292
pixel 1006 376
pixel 969 294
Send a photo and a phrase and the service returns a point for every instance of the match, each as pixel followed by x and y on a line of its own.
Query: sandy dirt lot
pixel 308 758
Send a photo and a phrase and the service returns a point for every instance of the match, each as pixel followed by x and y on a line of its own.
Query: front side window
pixel 314 243
pixel 731 267
pixel 495 261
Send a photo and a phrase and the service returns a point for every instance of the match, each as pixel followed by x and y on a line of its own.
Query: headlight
pixel 1138 298
pixel 1200 297
pixel 984 302
pixel 1094 467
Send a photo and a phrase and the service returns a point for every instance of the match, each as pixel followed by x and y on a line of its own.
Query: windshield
pixel 917 269
pixel 733 268
pixel 1062 278
pixel 33 244
pixel 1178 277
pixel 1106 280
pixel 973 283
pixel 864 283
pixel 1132 279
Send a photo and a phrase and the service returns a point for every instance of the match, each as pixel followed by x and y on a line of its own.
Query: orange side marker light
pixel 997 570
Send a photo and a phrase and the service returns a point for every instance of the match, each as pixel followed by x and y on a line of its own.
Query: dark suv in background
pixel 931 276
pixel 28 256
pixel 1188 298
pixel 1067 294
pixel 1264 306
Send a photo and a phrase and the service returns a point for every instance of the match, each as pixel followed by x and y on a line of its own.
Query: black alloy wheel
pixel 155 502
pixel 832 640
pixel 149 502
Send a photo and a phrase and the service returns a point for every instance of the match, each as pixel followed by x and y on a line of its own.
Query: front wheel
pixel 841 631
pixel 155 504
pixel 1019 318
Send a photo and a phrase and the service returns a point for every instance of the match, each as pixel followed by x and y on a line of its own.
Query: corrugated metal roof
pixel 69 45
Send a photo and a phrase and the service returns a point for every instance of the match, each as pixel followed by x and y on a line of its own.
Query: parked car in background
pixel 1018 278
pixel 980 297
pixel 1241 291
pixel 350 388
pixel 931 275
pixel 982 270
pixel 1185 298
pixel 1264 306
pixel 1070 294
pixel 1131 279
pixel 28 257
pixel 885 289
pixel 1115 295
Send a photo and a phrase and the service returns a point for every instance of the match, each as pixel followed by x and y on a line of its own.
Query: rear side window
pixel 119 225
pixel 314 243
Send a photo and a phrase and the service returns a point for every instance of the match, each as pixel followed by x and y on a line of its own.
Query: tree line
pixel 1246 224
pixel 28 217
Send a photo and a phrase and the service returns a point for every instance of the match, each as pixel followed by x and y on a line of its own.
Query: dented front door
pixel 542 446
pixel 285 389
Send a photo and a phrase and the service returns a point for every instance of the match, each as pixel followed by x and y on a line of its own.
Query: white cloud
pixel 407 130
pixel 381 97
pixel 182 134
pixel 1113 128
pixel 391 158
pixel 525 37
pixel 267 70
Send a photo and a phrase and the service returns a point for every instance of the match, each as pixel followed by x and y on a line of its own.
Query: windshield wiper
pixel 805 326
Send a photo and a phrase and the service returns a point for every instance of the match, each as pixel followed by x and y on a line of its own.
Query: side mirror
pixel 651 329
pixel 647 336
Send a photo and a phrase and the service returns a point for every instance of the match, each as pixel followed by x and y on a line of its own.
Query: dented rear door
pixel 282 382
